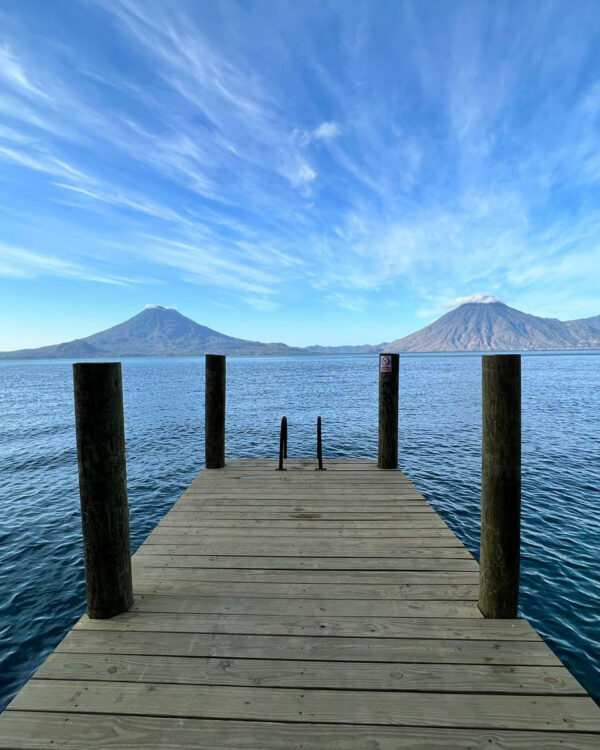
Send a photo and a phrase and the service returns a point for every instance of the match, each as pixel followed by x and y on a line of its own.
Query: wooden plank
pixel 416 520
pixel 479 629
pixel 305 706
pixel 305 481
pixel 304 489
pixel 148 556
pixel 94 639
pixel 339 548
pixel 310 505
pixel 48 731
pixel 300 515
pixel 146 569
pixel 258 516
pixel 286 479
pixel 185 537
pixel 261 498
pixel 387 592
pixel 441 678
pixel 313 607
pixel 165 530
pixel 29 730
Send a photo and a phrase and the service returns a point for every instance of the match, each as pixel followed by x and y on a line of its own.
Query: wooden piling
pixel 214 426
pixel 389 371
pixel 500 486
pixel 103 487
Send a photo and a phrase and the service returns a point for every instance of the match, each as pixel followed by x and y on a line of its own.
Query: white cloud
pixel 14 74
pixel 261 303
pixel 326 130
pixel 17 262
pixel 301 174
pixel 481 297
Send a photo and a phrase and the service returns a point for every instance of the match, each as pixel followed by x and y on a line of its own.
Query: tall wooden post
pixel 389 378
pixel 500 486
pixel 214 419
pixel 103 487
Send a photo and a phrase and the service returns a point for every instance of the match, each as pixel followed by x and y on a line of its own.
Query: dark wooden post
pixel 214 416
pixel 103 487
pixel 389 377
pixel 500 486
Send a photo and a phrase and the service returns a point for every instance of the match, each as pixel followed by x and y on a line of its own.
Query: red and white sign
pixel 385 363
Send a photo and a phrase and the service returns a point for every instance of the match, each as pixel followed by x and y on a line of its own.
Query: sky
pixel 315 172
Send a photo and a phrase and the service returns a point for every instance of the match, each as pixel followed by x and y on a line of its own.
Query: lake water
pixel 41 568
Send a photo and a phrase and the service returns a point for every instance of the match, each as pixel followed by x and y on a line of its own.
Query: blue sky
pixel 312 172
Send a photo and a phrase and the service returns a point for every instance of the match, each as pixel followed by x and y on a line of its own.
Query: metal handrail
pixel 283 438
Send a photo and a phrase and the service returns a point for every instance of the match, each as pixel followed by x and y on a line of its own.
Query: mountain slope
pixel 155 332
pixel 494 326
pixel 590 322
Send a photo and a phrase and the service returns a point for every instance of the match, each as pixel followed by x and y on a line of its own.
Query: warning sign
pixel 385 363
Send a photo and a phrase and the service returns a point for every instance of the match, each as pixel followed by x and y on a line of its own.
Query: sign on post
pixel 385 363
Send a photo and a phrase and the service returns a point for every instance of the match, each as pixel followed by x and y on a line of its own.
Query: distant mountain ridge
pixel 494 326
pixel 472 327
pixel 155 332
pixel 591 322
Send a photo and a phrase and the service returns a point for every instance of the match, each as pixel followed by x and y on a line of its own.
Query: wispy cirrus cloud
pixel 406 155
pixel 16 262
pixel 12 72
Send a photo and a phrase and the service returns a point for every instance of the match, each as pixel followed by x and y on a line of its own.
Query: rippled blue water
pixel 41 569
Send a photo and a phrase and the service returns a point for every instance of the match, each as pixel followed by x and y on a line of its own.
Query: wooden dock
pixel 302 609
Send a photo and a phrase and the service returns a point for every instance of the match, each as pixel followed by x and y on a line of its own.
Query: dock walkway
pixel 302 609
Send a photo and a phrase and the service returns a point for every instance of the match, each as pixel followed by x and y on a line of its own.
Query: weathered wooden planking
pixel 578 714
pixel 408 520
pixel 304 514
pixel 150 557
pixel 165 530
pixel 333 502
pixel 316 488
pixel 149 619
pixel 414 592
pixel 170 602
pixel 146 569
pixel 28 730
pixel 289 505
pixel 278 548
pixel 325 601
pixel 311 674
pixel 320 648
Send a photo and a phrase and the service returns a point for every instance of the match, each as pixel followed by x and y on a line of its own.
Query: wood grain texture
pixel 154 620
pixel 171 601
pixel 148 570
pixel 103 486
pixel 33 730
pixel 319 648
pixel 150 556
pixel 279 548
pixel 500 485
pixel 335 675
pixel 576 714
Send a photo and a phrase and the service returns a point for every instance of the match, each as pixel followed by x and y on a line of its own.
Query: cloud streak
pixel 419 158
